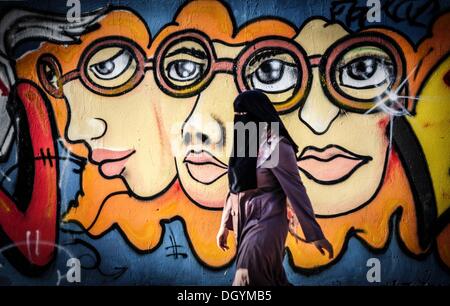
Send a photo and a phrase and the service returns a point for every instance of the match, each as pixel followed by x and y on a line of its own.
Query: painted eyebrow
pixel 264 55
pixel 196 53
pixel 112 58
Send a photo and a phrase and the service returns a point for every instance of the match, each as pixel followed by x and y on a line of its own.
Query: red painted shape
pixel 38 224
pixel 383 122
pixel 3 89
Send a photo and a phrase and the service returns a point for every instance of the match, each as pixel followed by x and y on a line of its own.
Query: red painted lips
pixel 204 167
pixel 330 165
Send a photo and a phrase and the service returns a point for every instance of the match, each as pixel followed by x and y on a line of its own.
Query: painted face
pixel 202 163
pixel 323 89
pixel 216 73
pixel 116 109
pixel 338 125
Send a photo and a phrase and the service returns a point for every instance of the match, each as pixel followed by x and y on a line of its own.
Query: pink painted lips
pixel 204 167
pixel 111 163
pixel 330 165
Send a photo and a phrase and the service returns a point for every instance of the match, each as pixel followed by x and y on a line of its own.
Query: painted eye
pixel 270 71
pixel 184 70
pixel 112 67
pixel 274 76
pixel 274 71
pixel 185 64
pixel 51 76
pixel 366 72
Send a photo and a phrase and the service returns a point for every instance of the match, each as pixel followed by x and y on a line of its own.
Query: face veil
pixel 254 117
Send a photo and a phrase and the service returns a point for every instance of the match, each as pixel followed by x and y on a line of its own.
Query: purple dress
pixel 258 217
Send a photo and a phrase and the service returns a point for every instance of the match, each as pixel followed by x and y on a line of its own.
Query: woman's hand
pixel 221 238
pixel 324 244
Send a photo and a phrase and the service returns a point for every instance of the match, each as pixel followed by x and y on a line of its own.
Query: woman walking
pixel 260 182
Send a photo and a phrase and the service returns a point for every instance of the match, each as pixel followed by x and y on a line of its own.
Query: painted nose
pixel 192 135
pixel 86 129
pixel 207 123
pixel 201 130
pixel 318 113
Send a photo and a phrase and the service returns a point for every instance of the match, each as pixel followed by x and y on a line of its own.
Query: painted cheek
pixel 382 123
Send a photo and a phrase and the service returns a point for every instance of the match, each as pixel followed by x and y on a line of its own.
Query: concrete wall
pixel 102 115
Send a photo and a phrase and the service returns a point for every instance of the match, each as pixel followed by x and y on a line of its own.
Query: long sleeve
pixel 227 219
pixel 286 172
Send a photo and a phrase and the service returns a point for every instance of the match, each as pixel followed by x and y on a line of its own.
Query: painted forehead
pixel 116 23
pixel 316 35
pixel 214 20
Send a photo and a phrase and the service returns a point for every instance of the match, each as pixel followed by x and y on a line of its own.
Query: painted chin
pixel 113 169
pixel 330 165
pixel 111 163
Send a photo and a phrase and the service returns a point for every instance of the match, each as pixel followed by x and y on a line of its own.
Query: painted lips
pixel 111 163
pixel 204 167
pixel 331 164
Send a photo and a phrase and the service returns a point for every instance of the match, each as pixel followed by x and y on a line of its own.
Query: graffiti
pixel 366 105
pixel 174 248
pixel 96 260
pixel 38 244
pixel 36 190
pixel 4 89
pixel 6 129
pixel 356 11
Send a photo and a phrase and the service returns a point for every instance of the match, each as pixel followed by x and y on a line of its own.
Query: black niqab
pixel 242 163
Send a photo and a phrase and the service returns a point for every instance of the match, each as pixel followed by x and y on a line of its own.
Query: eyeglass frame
pixel 325 62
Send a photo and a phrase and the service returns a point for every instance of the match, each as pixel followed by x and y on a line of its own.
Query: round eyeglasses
pixel 356 72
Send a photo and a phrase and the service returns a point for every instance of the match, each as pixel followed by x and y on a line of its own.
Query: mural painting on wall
pixel 132 123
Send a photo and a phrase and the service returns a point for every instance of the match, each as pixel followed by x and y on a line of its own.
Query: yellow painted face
pixel 431 125
pixel 333 161
pixel 215 68
pixel 343 153
pixel 123 134
pixel 288 72
pixel 207 138
pixel 113 104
